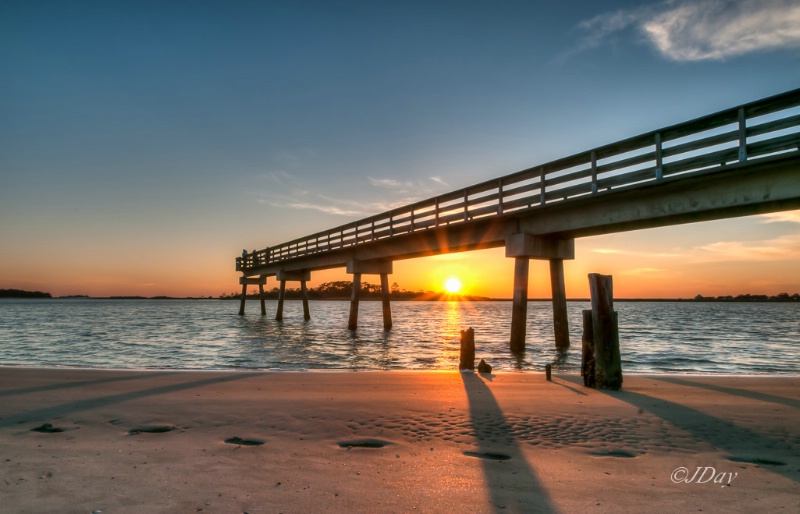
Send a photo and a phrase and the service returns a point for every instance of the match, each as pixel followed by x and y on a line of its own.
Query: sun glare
pixel 452 285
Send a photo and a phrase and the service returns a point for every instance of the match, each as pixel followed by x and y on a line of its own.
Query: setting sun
pixel 452 285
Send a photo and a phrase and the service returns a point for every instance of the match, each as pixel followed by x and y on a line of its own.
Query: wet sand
pixel 160 441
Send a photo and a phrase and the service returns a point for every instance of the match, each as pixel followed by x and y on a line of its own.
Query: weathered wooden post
pixel 352 324
pixel 387 306
pixel 467 355
pixel 605 330
pixel 587 350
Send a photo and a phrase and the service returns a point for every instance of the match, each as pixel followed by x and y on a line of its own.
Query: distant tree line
pixel 19 293
pixel 343 290
pixel 782 297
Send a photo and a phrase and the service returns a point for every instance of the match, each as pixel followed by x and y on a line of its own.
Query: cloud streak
pixel 701 30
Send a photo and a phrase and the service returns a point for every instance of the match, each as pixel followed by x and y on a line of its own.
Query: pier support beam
pixel 355 293
pixel 302 277
pixel 560 321
pixel 387 306
pixel 378 267
pixel 250 281
pixel 519 309
pixel 523 247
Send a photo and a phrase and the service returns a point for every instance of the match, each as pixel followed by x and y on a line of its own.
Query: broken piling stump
pixel 467 356
pixel 605 333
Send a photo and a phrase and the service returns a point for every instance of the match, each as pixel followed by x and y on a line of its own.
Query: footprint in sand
pixel 620 454
pixel 488 455
pixel 151 429
pixel 364 443
pixel 757 460
pixel 244 442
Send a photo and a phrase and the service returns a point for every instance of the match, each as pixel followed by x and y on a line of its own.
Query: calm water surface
pixel 656 337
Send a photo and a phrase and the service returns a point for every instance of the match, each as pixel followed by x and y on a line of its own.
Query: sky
pixel 144 144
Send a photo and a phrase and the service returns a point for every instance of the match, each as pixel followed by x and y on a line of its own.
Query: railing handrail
pixel 641 159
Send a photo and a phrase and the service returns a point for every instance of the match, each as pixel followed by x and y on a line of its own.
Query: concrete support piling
pixel 304 292
pixel 241 303
pixel 387 306
pixel 560 321
pixel 374 267
pixel 519 309
pixel 281 296
pixel 354 296
pixel 298 276
pixel 254 281
pixel 523 247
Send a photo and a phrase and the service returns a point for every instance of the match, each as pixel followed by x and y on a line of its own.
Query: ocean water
pixel 655 337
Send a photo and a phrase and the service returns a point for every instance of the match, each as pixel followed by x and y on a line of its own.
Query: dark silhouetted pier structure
pixel 737 162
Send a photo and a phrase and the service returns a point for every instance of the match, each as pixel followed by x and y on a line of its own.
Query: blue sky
pixel 143 144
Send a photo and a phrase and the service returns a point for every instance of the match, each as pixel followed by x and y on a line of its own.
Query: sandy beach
pixel 85 441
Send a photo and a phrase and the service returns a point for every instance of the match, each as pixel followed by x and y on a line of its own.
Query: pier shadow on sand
pixel 722 434
pixel 743 393
pixel 69 408
pixel 502 460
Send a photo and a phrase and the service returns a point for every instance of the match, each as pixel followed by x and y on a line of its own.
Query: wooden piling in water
pixel 587 350
pixel 261 299
pixel 605 329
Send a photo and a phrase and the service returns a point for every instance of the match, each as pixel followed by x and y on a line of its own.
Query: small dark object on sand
pixel 484 367
pixel 47 428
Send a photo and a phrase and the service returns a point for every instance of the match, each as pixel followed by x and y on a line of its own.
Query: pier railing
pixel 752 131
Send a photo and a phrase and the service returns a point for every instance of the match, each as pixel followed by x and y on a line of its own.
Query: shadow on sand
pixel 57 411
pixel 502 461
pixel 720 433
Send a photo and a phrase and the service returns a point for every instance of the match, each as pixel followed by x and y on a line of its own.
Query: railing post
pixel 659 159
pixel 742 136
pixel 594 171
pixel 466 200
pixel 391 225
pixel 500 196
pixel 542 199
pixel 437 211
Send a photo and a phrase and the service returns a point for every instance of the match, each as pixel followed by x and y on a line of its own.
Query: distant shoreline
pixel 449 299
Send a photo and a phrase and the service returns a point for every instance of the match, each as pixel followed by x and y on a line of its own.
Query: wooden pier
pixel 737 162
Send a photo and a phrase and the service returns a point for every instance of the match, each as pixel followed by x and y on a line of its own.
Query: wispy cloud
pixel 636 253
pixel 641 271
pixel 787 216
pixel 780 248
pixel 698 30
